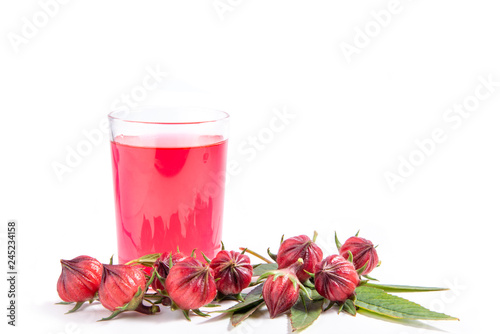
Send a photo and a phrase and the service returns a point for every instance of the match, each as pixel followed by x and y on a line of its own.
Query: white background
pixel 325 170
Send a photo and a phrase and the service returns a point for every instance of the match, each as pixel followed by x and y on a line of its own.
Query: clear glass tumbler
pixel 169 169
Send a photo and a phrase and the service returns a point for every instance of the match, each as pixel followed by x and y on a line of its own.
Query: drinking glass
pixel 169 168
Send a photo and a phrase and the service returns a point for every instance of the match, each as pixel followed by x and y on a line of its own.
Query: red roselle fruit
pixel 299 247
pixel 363 252
pixel 233 271
pixel 162 266
pixel 80 279
pixel 122 288
pixel 191 284
pixel 280 294
pixel 281 289
pixel 335 278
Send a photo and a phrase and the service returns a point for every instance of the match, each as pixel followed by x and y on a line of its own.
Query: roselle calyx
pixel 162 266
pixel 281 289
pixel 299 247
pixel 232 271
pixel 190 284
pixel 335 278
pixel 364 254
pixel 79 280
pixel 122 289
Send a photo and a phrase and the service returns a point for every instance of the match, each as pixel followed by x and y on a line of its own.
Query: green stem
pixel 256 255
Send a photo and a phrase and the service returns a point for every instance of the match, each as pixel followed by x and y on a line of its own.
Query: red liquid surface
pixel 169 193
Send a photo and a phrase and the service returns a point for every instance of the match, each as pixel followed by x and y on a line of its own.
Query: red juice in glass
pixel 169 191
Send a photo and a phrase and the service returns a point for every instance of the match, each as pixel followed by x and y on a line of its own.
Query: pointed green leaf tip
pixel 206 258
pixel 170 261
pixel 337 242
pixel 402 288
pixel 77 306
pixel 380 302
pixel 201 314
pixel 348 307
pixel 186 315
pixel 350 256
pixel 273 256
pixel 360 270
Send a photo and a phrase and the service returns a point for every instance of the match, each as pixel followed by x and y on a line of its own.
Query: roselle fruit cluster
pixel 301 279
pixel 300 259
pixel 180 281
pixel 191 284
pixel 119 288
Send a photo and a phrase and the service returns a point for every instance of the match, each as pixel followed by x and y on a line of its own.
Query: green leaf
pixel 404 322
pixel 253 298
pixel 260 269
pixel 348 307
pixel 378 301
pixel 238 316
pixel 403 288
pixel 304 313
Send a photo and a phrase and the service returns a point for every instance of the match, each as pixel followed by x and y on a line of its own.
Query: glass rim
pixel 113 115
